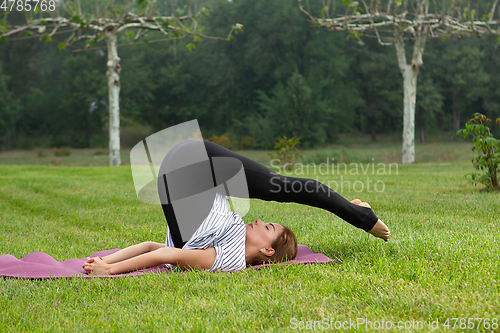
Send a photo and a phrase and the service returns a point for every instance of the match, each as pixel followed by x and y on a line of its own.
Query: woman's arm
pixel 195 259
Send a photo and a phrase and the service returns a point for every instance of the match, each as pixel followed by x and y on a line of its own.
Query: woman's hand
pixel 89 261
pixel 97 267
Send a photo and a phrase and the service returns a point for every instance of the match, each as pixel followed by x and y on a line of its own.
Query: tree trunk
pixel 410 94
pixel 113 74
pixel 410 73
pixel 374 135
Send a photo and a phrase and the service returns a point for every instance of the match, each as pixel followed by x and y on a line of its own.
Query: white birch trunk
pixel 409 73
pixel 113 74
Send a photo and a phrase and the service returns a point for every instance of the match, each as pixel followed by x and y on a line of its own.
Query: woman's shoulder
pixel 230 251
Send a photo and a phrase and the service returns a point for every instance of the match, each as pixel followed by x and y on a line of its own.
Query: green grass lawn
pixel 442 261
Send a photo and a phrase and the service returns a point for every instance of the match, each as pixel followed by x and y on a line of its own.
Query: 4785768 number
pixel 28 5
pixel 470 323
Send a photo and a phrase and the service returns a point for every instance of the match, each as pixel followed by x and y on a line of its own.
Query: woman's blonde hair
pixel 285 248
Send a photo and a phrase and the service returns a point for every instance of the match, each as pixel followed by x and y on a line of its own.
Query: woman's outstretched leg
pixel 265 184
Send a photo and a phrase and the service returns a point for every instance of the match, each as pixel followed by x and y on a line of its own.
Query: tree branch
pixel 99 25
pixel 437 25
pixel 96 24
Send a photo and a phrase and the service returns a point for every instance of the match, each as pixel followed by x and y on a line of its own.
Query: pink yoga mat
pixel 39 265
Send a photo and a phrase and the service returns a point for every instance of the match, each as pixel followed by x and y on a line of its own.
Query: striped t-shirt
pixel 225 231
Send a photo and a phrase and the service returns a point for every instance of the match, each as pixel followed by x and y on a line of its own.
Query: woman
pixel 262 184
pixel 222 242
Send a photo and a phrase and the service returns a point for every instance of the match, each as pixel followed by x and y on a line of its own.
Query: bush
pixel 40 152
pixel 64 151
pixel 296 109
pixel 487 147
pixel 222 140
pixel 287 151
pixel 246 142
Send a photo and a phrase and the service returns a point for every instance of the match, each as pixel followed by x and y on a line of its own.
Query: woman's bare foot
pixel 379 229
pixel 97 267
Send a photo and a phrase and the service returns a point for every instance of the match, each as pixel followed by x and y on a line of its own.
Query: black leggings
pixel 265 184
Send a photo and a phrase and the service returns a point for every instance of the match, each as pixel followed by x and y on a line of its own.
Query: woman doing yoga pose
pixel 233 245
pixel 222 242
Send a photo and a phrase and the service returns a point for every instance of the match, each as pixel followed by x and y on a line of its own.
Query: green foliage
pixel 3 26
pixel 430 101
pixel 278 78
pixel 287 151
pixel 81 93
pixel 142 3
pixel 295 110
pixel 356 35
pixel 487 148
pixel 45 37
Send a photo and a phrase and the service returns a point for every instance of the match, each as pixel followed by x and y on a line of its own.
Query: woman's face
pixel 262 234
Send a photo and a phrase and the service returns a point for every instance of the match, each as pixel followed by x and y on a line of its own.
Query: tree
pixel 107 27
pixel 456 18
pixel 295 110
